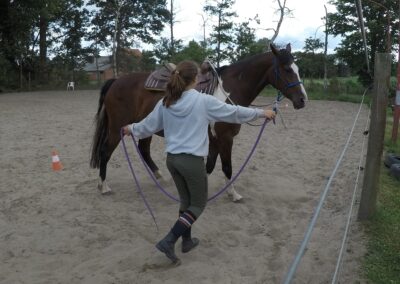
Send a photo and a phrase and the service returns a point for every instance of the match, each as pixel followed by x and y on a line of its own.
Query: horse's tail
pixel 100 134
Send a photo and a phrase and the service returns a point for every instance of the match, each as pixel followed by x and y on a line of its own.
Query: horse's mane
pixel 240 63
pixel 285 58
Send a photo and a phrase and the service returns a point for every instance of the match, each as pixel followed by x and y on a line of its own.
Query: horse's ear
pixel 274 50
pixel 289 47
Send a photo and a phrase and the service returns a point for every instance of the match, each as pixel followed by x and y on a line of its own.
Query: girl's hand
pixel 126 130
pixel 270 114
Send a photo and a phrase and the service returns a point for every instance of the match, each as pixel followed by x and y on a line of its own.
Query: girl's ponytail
pixel 184 75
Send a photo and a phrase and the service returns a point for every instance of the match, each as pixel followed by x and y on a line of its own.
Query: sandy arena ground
pixel 55 227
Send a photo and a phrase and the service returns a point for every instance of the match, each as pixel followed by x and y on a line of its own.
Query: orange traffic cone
pixel 56 164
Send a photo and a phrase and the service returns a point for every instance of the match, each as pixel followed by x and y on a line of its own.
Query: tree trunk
pixel 20 73
pixel 171 24
pixel 326 50
pixel 117 16
pixel 219 40
pixel 42 47
pixel 282 9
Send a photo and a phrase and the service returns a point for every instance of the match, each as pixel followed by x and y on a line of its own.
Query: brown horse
pixel 125 100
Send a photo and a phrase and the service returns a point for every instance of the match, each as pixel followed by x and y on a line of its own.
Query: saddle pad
pixel 158 80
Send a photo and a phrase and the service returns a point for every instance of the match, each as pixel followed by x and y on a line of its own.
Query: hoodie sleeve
pixel 151 124
pixel 220 111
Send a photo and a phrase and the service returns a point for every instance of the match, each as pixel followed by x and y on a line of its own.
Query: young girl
pixel 185 114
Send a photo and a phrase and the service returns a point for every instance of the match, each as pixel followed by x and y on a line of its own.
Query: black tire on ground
pixel 391 159
pixel 395 171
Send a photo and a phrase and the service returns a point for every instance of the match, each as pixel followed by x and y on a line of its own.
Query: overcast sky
pixel 305 22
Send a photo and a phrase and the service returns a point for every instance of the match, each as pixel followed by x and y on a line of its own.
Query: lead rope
pixel 139 188
pixel 224 188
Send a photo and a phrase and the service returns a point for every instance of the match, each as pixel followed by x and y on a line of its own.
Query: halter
pixel 278 76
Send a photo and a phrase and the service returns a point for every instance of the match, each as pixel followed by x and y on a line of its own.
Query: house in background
pixel 128 62
pixel 104 64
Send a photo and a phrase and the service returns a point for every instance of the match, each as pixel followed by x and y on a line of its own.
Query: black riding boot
pixel 167 244
pixel 189 243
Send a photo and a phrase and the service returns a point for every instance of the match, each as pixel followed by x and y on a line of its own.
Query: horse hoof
pixel 105 189
pixel 237 197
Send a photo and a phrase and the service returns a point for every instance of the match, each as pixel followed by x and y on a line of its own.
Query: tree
pixel 378 17
pixel 175 44
pixel 16 21
pixel 59 22
pixel 124 23
pixel 147 62
pixel 312 45
pixel 282 11
pixel 31 30
pixel 193 51
pixel 221 38
pixel 245 42
pixel 71 25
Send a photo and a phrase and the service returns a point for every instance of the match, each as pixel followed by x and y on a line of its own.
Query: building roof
pixel 104 63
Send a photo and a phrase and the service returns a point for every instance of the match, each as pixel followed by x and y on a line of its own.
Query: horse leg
pixel 144 148
pixel 212 155
pixel 105 154
pixel 226 160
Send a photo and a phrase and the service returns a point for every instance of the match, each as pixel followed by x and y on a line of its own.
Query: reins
pixel 139 188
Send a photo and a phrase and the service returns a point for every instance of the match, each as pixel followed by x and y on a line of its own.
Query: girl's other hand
pixel 270 114
pixel 126 130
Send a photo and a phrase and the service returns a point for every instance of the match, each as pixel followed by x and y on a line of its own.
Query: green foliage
pixel 8 75
pixel 312 45
pixel 221 37
pixel 119 23
pixel 344 22
pixel 32 31
pixel 164 52
pixel 193 51
pixel 147 62
pixel 346 89
pixel 137 20
pixel 382 262
pixel 246 43
pixel 312 65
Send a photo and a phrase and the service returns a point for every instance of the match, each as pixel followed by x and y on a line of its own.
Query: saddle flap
pixel 159 78
pixel 206 83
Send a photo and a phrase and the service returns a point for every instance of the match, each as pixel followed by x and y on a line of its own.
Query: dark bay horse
pixel 125 100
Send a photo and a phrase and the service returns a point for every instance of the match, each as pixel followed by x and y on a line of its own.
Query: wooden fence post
pixel 376 136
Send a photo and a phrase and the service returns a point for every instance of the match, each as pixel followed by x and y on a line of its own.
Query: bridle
pixel 278 76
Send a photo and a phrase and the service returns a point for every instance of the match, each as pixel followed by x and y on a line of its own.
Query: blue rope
pixel 139 189
pixel 224 188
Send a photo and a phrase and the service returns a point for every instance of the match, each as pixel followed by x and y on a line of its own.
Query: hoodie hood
pixel 184 105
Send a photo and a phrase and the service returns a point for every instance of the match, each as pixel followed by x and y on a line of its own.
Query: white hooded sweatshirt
pixel 185 123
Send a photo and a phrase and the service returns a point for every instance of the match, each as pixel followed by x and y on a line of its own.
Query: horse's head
pixel 286 77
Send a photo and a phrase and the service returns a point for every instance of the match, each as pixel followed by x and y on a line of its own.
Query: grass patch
pixel 382 262
pixel 326 96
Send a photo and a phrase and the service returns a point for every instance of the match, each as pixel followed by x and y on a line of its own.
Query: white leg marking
pixel 233 194
pixel 104 188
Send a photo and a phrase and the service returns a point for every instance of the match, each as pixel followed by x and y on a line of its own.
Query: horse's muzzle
pixel 299 104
